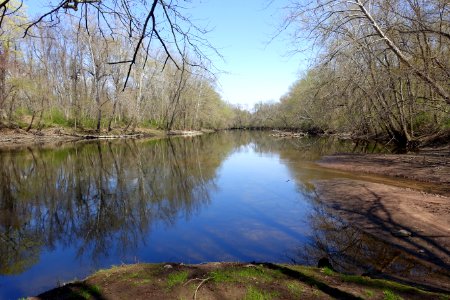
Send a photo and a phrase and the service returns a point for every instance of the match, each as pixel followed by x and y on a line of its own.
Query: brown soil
pixel 382 210
pixel 16 138
pixel 49 137
pixel 230 281
pixel 426 166
pixel 11 138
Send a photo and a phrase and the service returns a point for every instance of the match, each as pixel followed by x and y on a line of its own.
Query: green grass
pixel 177 278
pixel 88 292
pixel 328 271
pixel 142 282
pixel 253 272
pixel 150 124
pixel 295 289
pixel 220 276
pixel 240 274
pixel 369 293
pixel 55 117
pixel 389 295
pixel 255 294
pixel 381 284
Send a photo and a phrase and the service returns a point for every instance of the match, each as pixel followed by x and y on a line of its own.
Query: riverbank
pixel 14 138
pixel 411 218
pixel 429 165
pixel 231 281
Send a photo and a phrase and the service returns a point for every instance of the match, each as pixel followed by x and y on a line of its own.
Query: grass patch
pixel 253 272
pixel 255 294
pixel 369 293
pixel 389 295
pixel 87 292
pixel 240 274
pixel 295 289
pixel 220 276
pixel 355 279
pixel 111 271
pixel 55 117
pixel 327 271
pixel 177 278
pixel 381 284
pixel 142 282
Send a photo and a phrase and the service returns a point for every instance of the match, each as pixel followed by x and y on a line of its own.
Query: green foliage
pixel 177 278
pixel 240 274
pixel 295 289
pixel 87 292
pixel 150 124
pixel 22 111
pixel 255 294
pixel 369 293
pixel 446 124
pixel 55 117
pixel 389 295
pixel 422 119
pixel 327 271
pixel 220 276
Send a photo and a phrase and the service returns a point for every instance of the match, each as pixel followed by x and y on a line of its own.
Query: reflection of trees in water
pixel 351 251
pixel 100 195
pixel 312 148
pixel 346 248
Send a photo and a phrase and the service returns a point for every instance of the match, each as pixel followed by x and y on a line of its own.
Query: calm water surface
pixel 233 196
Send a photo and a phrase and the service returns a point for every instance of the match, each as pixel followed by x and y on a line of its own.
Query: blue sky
pixel 253 69
pixel 256 71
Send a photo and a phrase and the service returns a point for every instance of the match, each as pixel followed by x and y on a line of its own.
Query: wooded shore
pixel 13 138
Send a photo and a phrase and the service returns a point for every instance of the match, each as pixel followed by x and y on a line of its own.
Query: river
pixel 233 196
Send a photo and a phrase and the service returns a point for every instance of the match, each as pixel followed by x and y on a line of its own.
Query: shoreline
pixel 231 281
pixel 428 165
pixel 18 138
pixel 405 217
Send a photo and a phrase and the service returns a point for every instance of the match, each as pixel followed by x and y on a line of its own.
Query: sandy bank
pixel 405 217
pixel 427 166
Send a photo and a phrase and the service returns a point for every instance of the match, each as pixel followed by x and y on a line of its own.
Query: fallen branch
pixel 193 279
pixel 198 287
pixel 104 137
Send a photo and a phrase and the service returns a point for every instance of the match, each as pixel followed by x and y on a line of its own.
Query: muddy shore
pixel 51 137
pixel 428 165
pixel 408 218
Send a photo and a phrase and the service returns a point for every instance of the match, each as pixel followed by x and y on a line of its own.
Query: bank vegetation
pixel 380 69
pixel 96 65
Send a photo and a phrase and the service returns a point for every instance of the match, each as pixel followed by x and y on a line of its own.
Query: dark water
pixel 233 196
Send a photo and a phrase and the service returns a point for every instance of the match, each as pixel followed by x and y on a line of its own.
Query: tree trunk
pixel 3 67
pixel 422 75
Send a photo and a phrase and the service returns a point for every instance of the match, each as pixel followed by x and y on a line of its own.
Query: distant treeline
pixel 380 69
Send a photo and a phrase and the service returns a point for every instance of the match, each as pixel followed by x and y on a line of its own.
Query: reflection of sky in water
pixel 254 214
